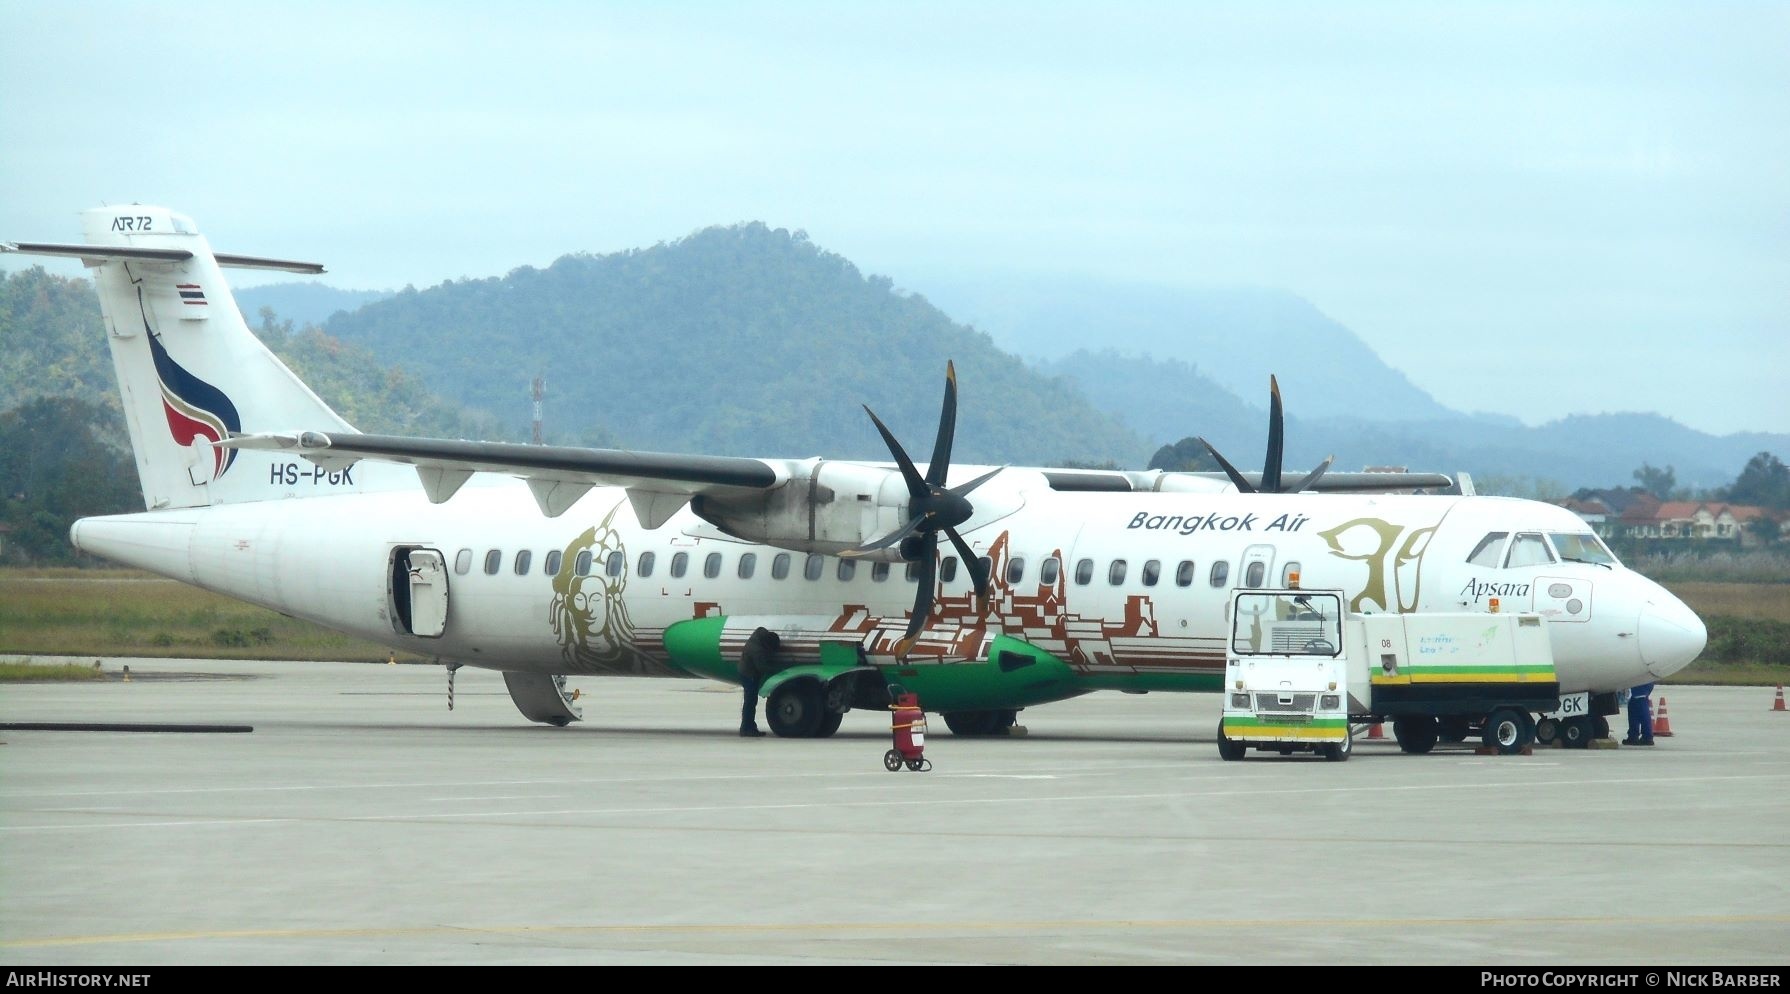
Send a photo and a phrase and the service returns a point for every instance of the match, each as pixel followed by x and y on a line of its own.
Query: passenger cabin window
pixel 645 568
pixel 524 559
pixel 1152 572
pixel 780 566
pixel 493 561
pixel 463 561
pixel 679 563
pixel 1528 549
pixel 1047 574
pixel 1287 573
pixel 1016 570
pixel 711 565
pixel 948 569
pixel 1252 577
pixel 1487 551
pixel 879 572
pixel 848 568
pixel 551 566
pixel 1184 573
pixel 1221 572
pixel 1115 574
pixel 913 572
pixel 812 568
pixel 1084 572
pixel 581 565
pixel 985 567
pixel 1581 547
pixel 748 563
pixel 617 563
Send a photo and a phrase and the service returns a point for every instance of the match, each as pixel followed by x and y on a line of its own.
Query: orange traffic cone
pixel 1374 731
pixel 1662 727
pixel 1777 703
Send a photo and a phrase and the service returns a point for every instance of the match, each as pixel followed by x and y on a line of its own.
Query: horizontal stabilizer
pixel 100 253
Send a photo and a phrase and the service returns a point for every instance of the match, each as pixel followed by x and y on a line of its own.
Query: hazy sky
pixel 1537 209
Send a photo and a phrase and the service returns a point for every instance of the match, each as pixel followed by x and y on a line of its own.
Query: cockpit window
pixel 1486 552
pixel 1581 547
pixel 1528 549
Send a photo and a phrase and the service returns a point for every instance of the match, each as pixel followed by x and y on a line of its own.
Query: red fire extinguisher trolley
pixel 908 725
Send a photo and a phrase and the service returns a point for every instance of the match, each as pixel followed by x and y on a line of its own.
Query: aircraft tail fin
pixel 191 373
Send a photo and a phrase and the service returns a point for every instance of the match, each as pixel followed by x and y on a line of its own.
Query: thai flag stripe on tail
pixel 191 294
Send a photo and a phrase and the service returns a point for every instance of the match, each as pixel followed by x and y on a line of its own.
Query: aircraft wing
pixel 658 483
pixel 1127 481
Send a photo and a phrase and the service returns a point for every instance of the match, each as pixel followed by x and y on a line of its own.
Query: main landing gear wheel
pixel 1416 733
pixel 891 761
pixel 795 711
pixel 1577 733
pixel 1507 730
pixel 969 723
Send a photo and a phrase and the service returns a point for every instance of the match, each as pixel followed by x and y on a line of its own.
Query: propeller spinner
pixel 1271 464
pixel 934 509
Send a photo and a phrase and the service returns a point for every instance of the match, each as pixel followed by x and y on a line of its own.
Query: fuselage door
pixel 419 591
pixel 1257 567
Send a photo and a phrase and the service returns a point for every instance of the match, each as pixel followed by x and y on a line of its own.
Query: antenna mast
pixel 540 392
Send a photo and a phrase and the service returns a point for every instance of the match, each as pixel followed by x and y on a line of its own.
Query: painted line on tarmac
pixel 921 929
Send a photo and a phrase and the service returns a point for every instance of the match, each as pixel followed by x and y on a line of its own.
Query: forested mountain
pixel 1235 336
pixel 304 303
pixel 744 340
pixel 54 345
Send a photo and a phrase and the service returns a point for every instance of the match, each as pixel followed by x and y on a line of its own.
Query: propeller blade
pixel 923 587
pixel 1243 486
pixel 912 526
pixel 916 486
pixel 1312 477
pixel 963 489
pixel 978 576
pixel 941 447
pixel 1276 434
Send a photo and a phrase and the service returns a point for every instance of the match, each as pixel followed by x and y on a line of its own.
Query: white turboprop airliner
pixel 557 561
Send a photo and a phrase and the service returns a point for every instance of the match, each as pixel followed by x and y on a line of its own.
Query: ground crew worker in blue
pixel 757 661
pixel 1640 716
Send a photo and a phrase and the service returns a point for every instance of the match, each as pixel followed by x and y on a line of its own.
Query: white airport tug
pixel 1301 669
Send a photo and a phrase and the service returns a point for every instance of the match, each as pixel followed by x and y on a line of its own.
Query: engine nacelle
pixel 824 507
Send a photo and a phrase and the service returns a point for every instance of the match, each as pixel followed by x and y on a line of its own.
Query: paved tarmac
pixel 362 822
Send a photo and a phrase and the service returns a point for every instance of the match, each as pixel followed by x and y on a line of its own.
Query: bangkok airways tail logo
pixel 194 408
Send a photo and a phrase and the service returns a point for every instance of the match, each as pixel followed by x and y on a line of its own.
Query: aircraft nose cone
pixel 1671 635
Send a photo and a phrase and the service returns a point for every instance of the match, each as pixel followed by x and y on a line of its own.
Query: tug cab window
pixel 1582 547
pixel 1486 553
pixel 1528 549
pixel 1286 624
